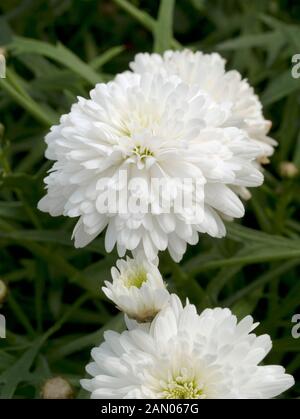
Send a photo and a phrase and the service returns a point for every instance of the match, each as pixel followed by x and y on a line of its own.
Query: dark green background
pixel 55 310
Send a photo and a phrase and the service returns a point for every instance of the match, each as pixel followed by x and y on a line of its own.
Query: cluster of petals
pixel 172 118
pixel 137 289
pixel 184 355
pixel 159 155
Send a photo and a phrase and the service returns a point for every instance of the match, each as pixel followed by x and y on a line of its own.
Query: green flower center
pixel 182 389
pixel 142 152
pixel 136 279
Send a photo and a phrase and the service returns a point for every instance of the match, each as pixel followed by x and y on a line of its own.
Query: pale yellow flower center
pixel 142 152
pixel 135 279
pixel 182 388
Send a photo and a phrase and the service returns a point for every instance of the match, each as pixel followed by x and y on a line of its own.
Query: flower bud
pixel 2 129
pixel 263 160
pixel 3 291
pixel 57 388
pixel 288 170
pixel 3 51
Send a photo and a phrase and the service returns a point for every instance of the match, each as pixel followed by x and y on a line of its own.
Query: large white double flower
pixel 183 355
pixel 156 126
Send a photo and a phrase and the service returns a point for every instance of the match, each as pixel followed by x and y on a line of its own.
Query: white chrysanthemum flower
pixel 148 127
pixel 137 289
pixel 184 355
pixel 226 88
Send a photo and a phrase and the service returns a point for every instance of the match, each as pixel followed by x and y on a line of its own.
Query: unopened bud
pixel 2 129
pixel 264 160
pixel 57 388
pixel 288 170
pixel 245 193
pixel 3 291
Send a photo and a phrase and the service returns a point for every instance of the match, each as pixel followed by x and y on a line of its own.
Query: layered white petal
pixel 186 356
pixel 134 135
pixel 137 289
pixel 226 88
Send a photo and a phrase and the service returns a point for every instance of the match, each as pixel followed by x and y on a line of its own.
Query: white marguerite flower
pixel 183 355
pixel 227 88
pixel 137 289
pixel 148 127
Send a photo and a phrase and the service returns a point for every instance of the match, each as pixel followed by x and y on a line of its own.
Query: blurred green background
pixel 54 308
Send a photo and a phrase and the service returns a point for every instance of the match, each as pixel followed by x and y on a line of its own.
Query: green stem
pixel 20 315
pixel 33 108
pixel 147 21
pixel 185 285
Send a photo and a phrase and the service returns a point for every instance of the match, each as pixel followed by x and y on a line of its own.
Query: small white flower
pixel 137 289
pixel 183 355
pixel 148 127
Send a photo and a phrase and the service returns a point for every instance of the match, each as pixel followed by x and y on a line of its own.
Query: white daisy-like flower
pixel 148 127
pixel 183 355
pixel 137 289
pixel 226 88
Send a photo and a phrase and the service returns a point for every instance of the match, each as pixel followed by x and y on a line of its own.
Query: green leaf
pixel 264 40
pixel 223 277
pixel 163 32
pixel 256 254
pixel 292 32
pixel 16 373
pixel 12 210
pixel 288 129
pixel 280 87
pixel 44 116
pixel 57 80
pixel 186 286
pixel 5 32
pixel 106 57
pixel 60 263
pixel 86 341
pixel 244 234
pixel 6 360
pixel 58 53
pixel 287 344
pixel 262 280
pixel 143 18
pixel 138 14
pixel 50 236
pixel 20 315
pixel 199 4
